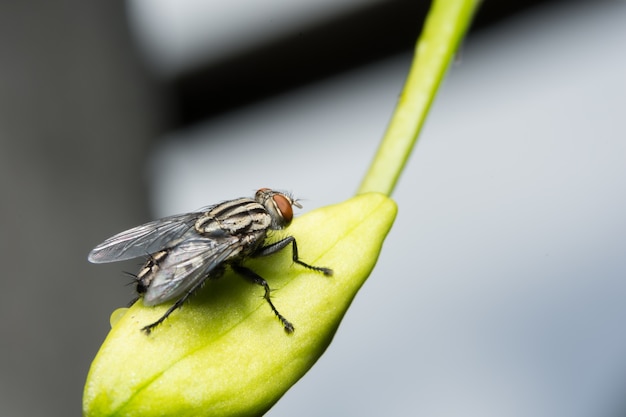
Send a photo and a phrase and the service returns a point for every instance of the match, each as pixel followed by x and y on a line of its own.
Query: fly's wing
pixel 186 265
pixel 143 240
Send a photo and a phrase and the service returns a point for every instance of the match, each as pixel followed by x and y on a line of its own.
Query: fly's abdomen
pixel 148 270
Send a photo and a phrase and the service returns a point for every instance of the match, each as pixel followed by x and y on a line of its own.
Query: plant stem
pixel 445 26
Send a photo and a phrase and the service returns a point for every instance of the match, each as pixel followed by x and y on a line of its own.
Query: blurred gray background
pixel 501 288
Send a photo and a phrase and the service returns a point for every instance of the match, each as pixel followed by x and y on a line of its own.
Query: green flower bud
pixel 224 353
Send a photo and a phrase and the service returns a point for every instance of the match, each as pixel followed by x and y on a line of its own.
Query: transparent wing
pixel 143 240
pixel 186 265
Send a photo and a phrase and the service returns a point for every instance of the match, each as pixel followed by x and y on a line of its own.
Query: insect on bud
pixel 226 356
pixel 187 249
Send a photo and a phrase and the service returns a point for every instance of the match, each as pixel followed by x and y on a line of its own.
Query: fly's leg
pixel 257 279
pixel 276 246
pixel 181 300
pixel 169 311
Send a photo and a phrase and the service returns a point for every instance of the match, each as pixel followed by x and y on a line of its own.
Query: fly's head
pixel 278 205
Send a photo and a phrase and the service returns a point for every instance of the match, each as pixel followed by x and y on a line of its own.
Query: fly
pixel 187 249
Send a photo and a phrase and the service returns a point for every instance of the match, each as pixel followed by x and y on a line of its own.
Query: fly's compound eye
pixel 283 207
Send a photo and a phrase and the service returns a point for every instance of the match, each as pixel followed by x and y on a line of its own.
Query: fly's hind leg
pixel 169 311
pixel 216 273
pixel 259 280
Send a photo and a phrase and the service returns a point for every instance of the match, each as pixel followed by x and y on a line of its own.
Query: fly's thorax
pixel 235 217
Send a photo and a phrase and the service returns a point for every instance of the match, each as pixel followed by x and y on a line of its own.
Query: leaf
pixel 224 352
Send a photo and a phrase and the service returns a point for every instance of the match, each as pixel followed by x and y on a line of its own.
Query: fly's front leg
pixel 257 279
pixel 276 246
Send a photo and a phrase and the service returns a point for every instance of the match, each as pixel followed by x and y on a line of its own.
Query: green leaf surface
pixel 224 352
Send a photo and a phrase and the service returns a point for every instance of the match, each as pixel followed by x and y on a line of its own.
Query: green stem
pixel 443 30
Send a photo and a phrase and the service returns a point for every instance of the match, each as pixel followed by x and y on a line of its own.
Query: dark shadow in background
pixel 312 54
pixel 77 113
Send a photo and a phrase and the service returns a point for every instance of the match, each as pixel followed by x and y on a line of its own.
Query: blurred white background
pixel 500 289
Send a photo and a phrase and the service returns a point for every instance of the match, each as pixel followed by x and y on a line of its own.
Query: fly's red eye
pixel 284 207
